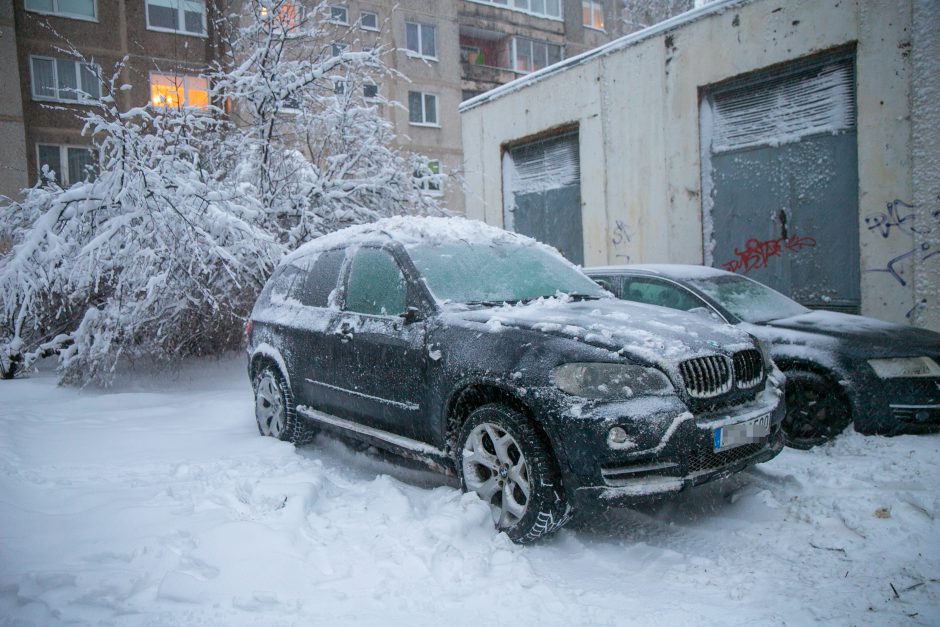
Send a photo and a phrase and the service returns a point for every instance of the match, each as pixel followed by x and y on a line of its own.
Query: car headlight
pixel 610 381
pixel 904 367
pixel 764 349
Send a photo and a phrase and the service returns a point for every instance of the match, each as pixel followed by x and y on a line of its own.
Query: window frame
pixel 345 20
pixel 417 54
pixel 79 99
pixel 424 116
pixel 514 52
pixel 181 17
pixel 185 79
pixel 373 29
pixel 429 187
pixel 57 13
pixel 62 173
pixel 596 7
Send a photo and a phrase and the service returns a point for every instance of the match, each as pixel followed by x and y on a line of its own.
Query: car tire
pixel 501 456
pixel 816 410
pixel 274 408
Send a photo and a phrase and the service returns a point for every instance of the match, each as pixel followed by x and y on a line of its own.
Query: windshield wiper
pixel 490 303
pixel 577 296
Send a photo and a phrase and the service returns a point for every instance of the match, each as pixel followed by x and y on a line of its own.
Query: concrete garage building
pixel 796 142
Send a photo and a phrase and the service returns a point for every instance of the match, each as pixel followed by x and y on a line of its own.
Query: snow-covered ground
pixel 157 503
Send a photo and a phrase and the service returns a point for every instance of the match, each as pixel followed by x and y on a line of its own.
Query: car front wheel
pixel 816 410
pixel 506 462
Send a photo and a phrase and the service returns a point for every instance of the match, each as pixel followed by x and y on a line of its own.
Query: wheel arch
pixel 832 377
pixel 265 354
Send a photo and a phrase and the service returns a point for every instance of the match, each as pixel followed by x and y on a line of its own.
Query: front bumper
pixel 669 449
pixel 896 406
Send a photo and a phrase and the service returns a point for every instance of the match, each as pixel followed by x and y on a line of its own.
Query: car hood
pixel 645 332
pixel 860 334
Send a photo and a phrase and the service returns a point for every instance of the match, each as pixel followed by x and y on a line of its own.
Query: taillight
pixel 248 329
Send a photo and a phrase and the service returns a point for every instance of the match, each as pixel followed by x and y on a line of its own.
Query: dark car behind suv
pixel 487 355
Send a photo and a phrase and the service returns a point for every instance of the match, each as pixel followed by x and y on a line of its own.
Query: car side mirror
pixel 412 314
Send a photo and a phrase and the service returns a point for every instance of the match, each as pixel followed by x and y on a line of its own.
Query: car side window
pixel 321 279
pixel 609 283
pixel 653 292
pixel 376 284
pixel 279 286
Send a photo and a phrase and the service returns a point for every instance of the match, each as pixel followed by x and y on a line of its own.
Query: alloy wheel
pixel 495 468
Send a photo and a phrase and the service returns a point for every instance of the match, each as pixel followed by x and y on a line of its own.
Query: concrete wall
pixel 637 108
pixel 13 175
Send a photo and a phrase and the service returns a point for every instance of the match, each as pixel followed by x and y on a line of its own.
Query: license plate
pixel 746 432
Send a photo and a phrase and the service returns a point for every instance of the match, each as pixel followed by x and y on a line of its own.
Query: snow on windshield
pixel 499 272
pixel 749 300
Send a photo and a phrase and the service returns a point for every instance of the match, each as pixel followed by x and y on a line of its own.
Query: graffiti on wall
pixel 621 238
pixel 899 216
pixel 757 252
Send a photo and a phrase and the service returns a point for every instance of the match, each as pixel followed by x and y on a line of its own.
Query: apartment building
pixel 442 52
pixel 62 47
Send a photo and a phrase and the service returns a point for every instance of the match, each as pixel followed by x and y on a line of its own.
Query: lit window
pixel 79 9
pixel 64 80
pixel 285 15
pixel 169 90
pixel 529 55
pixel 422 108
pixel 369 20
pixel 67 164
pixel 592 14
pixel 178 16
pixel 338 15
pixel 421 40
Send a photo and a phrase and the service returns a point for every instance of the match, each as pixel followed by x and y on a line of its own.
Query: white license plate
pixel 746 432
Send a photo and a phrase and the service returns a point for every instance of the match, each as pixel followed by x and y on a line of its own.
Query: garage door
pixel 542 193
pixel 780 180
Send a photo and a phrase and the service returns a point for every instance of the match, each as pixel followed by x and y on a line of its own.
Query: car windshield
pixel 749 300
pixel 497 273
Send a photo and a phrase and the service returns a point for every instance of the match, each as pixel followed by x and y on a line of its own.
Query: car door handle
pixel 345 333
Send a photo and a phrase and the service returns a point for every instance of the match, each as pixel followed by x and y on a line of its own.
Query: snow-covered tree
pixel 638 14
pixel 315 144
pixel 158 256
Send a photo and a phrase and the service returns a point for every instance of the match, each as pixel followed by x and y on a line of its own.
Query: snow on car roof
pixel 413 230
pixel 671 270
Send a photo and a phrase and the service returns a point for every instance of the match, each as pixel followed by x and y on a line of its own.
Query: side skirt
pixel 431 456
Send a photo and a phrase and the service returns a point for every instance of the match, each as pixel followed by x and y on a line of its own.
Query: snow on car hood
pixel 646 332
pixel 872 337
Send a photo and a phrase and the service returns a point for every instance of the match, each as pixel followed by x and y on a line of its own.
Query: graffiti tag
pixel 900 215
pixel 891 269
pixel 622 233
pixel 757 253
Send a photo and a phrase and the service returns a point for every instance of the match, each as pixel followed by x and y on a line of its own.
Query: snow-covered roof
pixel 718 6
pixel 412 230
pixel 673 270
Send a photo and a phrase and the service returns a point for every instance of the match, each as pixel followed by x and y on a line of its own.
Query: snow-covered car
pixel 840 368
pixel 487 355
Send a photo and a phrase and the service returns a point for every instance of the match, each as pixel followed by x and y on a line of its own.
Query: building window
pixel 64 80
pixel 78 9
pixel 529 55
pixel 71 164
pixel 421 40
pixel 338 48
pixel 369 20
pixel 170 90
pixel 285 15
pixel 592 14
pixel 338 15
pixel 422 108
pixel 428 178
pixel 370 91
pixel 339 87
pixel 177 16
pixel 542 8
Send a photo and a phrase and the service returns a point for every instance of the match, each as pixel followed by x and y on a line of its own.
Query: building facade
pixel 441 51
pixel 796 143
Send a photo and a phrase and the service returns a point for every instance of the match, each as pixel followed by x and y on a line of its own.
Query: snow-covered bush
pixel 158 256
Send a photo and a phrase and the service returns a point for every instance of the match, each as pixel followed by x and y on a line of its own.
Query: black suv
pixel 483 353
